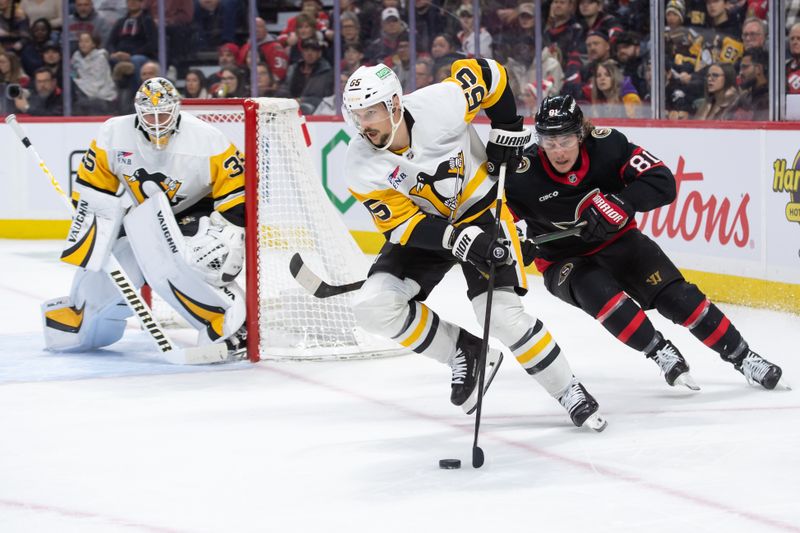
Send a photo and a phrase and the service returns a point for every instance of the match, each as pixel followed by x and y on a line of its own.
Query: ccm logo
pixel 546 197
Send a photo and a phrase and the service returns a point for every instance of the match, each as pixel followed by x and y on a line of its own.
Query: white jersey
pixel 400 189
pixel 197 162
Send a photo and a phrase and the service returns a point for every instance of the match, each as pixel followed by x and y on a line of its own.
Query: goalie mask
pixel 158 107
pixel 369 99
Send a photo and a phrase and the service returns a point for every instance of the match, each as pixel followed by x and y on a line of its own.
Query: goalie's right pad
pixel 216 251
pixel 94 229
pixel 160 250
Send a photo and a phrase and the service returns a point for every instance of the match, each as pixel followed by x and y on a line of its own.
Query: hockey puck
pixel 450 464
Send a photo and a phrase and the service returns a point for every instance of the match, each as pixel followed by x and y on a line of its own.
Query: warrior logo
pixel 170 186
pixel 427 186
pixel 654 278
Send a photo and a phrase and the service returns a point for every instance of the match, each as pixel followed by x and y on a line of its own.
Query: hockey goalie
pixel 164 193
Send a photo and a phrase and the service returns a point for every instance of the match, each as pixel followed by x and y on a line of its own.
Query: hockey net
pixel 291 212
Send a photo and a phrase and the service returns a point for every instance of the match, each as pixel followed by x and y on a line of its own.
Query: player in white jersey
pixel 422 171
pixel 164 192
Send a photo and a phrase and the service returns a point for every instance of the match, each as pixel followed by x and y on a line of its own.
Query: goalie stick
pixel 172 353
pixel 320 289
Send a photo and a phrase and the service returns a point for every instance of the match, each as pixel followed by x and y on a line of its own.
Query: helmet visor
pixel 558 142
pixel 372 116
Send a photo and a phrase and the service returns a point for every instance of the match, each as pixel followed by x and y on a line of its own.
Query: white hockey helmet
pixel 368 86
pixel 158 107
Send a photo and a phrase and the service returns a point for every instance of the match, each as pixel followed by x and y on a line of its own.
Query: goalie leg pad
pixel 94 230
pixel 92 316
pixel 527 338
pixel 385 306
pixel 159 248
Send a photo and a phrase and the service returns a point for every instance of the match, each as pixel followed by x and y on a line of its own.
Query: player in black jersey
pixel 580 175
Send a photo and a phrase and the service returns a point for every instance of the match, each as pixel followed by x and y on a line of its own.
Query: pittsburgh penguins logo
pixel 170 186
pixel 428 185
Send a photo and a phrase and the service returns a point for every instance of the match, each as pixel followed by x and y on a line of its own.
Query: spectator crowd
pixel 716 56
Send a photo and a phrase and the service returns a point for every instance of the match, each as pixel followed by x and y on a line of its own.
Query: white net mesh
pixel 295 215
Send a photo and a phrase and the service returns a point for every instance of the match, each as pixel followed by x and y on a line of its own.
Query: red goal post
pixel 286 204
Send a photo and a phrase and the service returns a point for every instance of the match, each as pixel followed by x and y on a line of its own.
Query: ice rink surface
pixel 120 441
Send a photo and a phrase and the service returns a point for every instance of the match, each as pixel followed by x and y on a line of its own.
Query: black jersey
pixel 549 201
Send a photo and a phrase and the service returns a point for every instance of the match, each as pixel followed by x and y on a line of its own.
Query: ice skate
pixel 672 364
pixel 758 370
pixel 464 365
pixel 237 344
pixel 581 406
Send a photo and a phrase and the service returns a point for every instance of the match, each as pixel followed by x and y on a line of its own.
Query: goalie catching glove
pixel 605 215
pixel 216 251
pixel 472 244
pixel 505 145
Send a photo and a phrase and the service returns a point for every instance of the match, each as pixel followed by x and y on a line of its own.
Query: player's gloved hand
pixel 471 243
pixel 505 145
pixel 606 214
pixel 530 251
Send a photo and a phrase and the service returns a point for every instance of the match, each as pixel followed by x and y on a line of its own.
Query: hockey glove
pixel 530 251
pixel 474 245
pixel 505 145
pixel 605 215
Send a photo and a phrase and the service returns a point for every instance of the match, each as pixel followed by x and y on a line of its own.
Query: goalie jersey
pixel 402 190
pixel 198 162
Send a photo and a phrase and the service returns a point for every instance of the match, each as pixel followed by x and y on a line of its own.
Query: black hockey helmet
pixel 559 115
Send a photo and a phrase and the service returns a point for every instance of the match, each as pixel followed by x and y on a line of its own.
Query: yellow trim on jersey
pixel 416 219
pixel 423 321
pixel 388 207
pixel 227 172
pixel 477 180
pixel 535 350
pixel 502 82
pixel 475 216
pixel 511 229
pixel 477 93
pixel 95 171
pixel 233 202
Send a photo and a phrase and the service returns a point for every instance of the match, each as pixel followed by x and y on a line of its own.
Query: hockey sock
pixel 684 304
pixel 624 319
pixel 541 357
pixel 425 333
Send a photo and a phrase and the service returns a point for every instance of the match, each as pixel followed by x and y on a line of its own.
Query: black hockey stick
pixel 314 284
pixel 477 451
pixel 319 288
pixel 555 235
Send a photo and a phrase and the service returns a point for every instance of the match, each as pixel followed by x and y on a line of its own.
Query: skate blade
pixel 596 422
pixel 494 358
pixel 687 381
pixel 783 384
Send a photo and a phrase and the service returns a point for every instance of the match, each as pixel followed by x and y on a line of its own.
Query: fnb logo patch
pixel 124 158
pixel 396 177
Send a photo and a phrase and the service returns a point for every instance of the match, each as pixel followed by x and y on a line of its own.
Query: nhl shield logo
pixel 564 273
pixel 572 178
